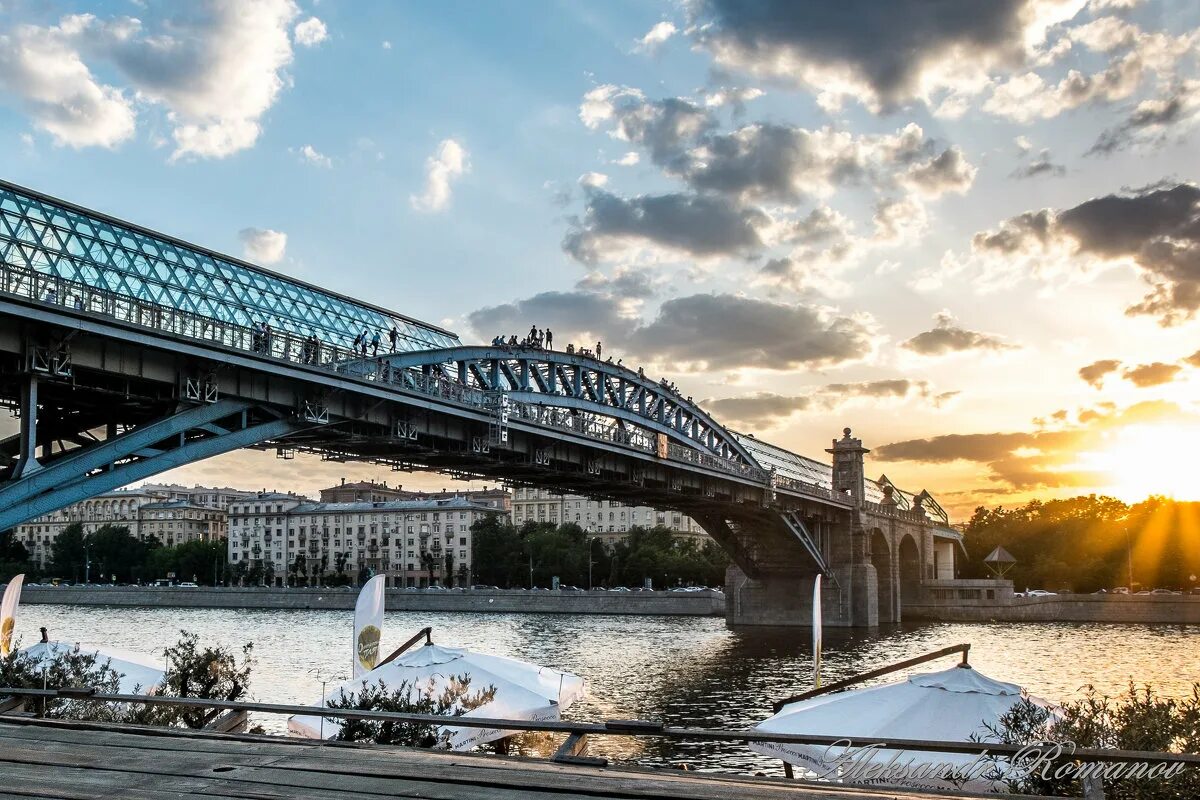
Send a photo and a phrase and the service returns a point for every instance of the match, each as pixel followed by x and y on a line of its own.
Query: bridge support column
pixel 27 462
pixel 849 597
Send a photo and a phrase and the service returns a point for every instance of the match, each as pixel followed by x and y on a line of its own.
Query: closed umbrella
pixel 954 705
pixel 524 691
pixel 139 674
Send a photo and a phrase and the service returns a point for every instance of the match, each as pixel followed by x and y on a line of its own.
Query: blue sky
pixel 808 215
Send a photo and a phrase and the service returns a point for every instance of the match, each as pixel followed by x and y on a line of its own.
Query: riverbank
pixel 1098 608
pixel 688 604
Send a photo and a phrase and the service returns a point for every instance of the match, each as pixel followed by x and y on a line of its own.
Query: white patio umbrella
pixel 140 674
pixel 952 705
pixel 524 691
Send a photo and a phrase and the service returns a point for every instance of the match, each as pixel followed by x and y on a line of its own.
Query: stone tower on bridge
pixel 879 552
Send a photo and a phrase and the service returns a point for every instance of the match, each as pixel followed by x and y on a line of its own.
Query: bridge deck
pixel 47 759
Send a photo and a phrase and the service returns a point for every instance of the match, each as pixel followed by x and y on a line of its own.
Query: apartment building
pixel 609 520
pixel 413 542
pixel 372 492
pixel 202 505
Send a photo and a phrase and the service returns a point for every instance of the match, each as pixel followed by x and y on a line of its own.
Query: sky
pixel 966 230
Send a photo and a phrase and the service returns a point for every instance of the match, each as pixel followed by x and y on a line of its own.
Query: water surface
pixel 679 670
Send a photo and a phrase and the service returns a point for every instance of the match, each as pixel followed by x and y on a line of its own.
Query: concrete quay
pixel 1099 608
pixel 694 604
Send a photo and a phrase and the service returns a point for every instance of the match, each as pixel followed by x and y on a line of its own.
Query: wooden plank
pixel 94 759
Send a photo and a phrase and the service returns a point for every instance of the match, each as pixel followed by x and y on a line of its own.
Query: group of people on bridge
pixel 374 342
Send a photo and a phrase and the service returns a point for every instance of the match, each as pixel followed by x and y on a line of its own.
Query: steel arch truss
pixel 547 379
pixel 189 434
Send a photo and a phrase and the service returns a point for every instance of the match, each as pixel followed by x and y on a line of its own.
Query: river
pixel 678 670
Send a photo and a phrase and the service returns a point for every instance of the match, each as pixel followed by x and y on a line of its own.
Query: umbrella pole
pixel 875 673
pixel 426 632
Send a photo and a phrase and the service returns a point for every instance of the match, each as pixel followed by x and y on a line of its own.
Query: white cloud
pixel 310 155
pixel 656 37
pixel 450 162
pixel 42 68
pixel 593 179
pixel 215 68
pixel 263 245
pixel 629 159
pixel 387 45
pixel 311 32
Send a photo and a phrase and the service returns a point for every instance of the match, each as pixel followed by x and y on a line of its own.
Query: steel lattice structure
pixel 60 239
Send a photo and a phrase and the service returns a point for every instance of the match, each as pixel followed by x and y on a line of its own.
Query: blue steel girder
pixel 89 459
pixel 572 381
pixel 82 486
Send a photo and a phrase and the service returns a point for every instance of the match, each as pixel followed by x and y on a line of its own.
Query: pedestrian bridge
pixel 125 352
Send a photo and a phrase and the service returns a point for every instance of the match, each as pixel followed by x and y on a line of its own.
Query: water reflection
pixel 680 670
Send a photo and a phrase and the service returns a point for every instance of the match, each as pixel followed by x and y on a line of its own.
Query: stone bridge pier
pixel 877 555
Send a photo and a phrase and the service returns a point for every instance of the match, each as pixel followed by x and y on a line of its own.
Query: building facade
pixel 204 506
pixel 608 520
pixel 279 537
pixel 372 492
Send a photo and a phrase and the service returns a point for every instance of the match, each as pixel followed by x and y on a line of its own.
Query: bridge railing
pixel 893 511
pixel 811 489
pixel 365 364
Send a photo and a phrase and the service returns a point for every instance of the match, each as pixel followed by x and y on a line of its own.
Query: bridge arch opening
pixel 909 557
pixel 881 558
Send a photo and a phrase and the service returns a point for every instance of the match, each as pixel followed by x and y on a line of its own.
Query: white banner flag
pixel 368 625
pixel 816 626
pixel 8 613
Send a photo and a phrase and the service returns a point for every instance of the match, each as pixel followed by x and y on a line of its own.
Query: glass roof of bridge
pixel 73 243
pixel 793 465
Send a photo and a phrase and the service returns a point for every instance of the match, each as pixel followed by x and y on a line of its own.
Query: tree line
pixel 537 552
pixel 112 554
pixel 1088 543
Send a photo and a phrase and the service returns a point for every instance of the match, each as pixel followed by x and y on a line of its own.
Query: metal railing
pixel 285 346
pixel 811 489
pixel 606 728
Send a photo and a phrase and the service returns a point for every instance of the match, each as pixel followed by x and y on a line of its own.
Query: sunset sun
pixel 1151 459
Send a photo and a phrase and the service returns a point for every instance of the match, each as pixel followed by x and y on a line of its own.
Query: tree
pixel 67 552
pixel 429 564
pixel 114 551
pixel 14 557
pixel 203 672
pixel 297 567
pixel 454 700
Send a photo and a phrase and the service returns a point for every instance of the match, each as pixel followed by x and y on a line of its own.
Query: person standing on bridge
pixel 549 339
pixel 598 351
pixel 532 334
pixel 362 343
pixel 393 334
pixel 375 342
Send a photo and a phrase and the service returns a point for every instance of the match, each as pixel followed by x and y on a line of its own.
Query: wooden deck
pixel 55 759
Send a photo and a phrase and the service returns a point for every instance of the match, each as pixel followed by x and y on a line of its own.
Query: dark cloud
pixel 708 331
pixel 1040 168
pixel 571 315
pixel 630 284
pixel 948 337
pixel 723 331
pixel 948 172
pixel 765 409
pixel 1094 373
pixel 888 47
pixel 761 410
pixel 1042 458
pixel 1155 374
pixel 666 127
pixel 1150 116
pixel 1157 228
pixel 698 225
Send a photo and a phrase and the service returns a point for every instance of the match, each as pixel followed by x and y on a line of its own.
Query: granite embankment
pixel 694 604
pixel 1112 608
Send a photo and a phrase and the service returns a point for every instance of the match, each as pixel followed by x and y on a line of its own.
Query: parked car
pixel 569 589
pixel 1164 591
pixel 189 585
pixel 619 589
pixel 1040 593
pixel 1121 590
